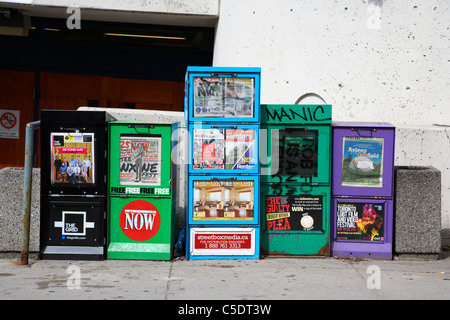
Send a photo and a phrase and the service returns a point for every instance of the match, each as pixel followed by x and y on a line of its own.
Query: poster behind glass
pixel 72 158
pixel 224 149
pixel 360 221
pixel 140 160
pixel 294 212
pixel 229 97
pixel 298 153
pixel 362 162
pixel 223 200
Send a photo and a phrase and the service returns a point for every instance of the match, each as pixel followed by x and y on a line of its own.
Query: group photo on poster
pixel 360 221
pixel 223 200
pixel 224 96
pixel 362 162
pixel 140 160
pixel 72 158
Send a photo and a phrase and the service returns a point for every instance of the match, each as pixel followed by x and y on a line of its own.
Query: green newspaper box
pixel 141 191
pixel 295 179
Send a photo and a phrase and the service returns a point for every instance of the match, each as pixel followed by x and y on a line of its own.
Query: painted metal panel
pixel 295 220
pixel 363 159
pixel 73 222
pixel 362 228
pixel 140 228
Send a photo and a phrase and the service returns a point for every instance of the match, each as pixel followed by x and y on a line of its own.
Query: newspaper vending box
pixel 222 117
pixel 295 179
pixel 141 191
pixel 362 189
pixel 73 193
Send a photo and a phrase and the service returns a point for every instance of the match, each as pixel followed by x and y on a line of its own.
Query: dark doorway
pixel 103 64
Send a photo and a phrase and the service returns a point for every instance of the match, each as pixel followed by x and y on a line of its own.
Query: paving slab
pixel 264 279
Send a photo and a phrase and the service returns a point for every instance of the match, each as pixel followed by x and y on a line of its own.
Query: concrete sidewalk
pixel 265 279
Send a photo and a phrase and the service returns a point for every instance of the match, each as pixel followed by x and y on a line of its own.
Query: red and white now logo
pixel 140 220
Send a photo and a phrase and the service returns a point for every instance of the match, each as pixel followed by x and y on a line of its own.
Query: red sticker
pixel 139 220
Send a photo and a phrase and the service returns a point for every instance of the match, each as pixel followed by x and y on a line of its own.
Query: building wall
pixel 167 12
pixel 373 60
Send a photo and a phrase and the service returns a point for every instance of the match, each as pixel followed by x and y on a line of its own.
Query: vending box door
pixel 140 159
pixel 295 220
pixel 140 228
pixel 223 201
pixel 363 159
pixel 296 154
pixel 73 156
pixel 223 94
pixel 362 227
pixel 224 149
pixel 72 228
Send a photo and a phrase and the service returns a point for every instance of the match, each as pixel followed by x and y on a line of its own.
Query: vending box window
pixel 224 200
pixel 362 189
pixel 73 193
pixel 223 94
pixel 224 148
pixel 297 154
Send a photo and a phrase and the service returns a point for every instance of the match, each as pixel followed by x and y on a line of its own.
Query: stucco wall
pixel 166 12
pixel 372 60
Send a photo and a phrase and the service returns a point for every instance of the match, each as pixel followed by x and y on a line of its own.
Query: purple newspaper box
pixel 362 189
